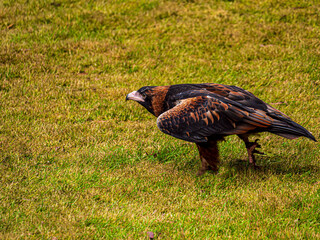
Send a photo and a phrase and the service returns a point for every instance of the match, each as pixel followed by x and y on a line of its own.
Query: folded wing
pixel 196 118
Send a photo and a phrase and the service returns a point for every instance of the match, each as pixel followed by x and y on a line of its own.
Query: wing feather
pixel 235 93
pixel 196 118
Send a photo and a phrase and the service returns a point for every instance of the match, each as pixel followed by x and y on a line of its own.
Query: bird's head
pixel 151 97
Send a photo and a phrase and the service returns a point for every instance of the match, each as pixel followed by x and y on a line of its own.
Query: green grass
pixel 78 162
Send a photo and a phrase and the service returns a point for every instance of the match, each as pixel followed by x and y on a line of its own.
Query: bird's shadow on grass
pixel 270 166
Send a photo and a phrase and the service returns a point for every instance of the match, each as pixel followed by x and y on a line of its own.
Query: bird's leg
pixel 204 166
pixel 251 149
pixel 209 156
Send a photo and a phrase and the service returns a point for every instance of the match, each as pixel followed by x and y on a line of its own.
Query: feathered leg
pixel 251 149
pixel 209 156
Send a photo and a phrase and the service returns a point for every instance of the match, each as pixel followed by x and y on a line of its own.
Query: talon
pixel 256 143
pixel 258 152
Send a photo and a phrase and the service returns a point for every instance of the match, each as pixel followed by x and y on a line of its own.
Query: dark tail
pixel 289 129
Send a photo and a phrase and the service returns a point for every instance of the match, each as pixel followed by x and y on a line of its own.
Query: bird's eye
pixel 143 95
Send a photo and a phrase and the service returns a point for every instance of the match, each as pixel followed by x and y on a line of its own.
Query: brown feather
pixel 209 114
pixel 158 102
pixel 216 114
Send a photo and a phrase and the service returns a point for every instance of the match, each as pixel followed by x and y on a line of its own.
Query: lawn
pixel 79 162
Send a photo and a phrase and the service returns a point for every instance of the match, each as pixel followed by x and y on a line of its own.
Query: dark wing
pixel 235 93
pixel 196 118
pixel 244 97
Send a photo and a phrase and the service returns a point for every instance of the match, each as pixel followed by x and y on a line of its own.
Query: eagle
pixel 206 113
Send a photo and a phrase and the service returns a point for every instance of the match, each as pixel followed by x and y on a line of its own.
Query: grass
pixel 78 162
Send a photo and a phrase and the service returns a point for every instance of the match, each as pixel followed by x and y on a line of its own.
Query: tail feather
pixel 290 129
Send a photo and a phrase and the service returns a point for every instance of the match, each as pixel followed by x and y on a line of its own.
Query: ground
pixel 78 162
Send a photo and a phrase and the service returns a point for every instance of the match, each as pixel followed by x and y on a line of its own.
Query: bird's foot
pixel 252 145
pixel 201 172
pixel 205 167
pixel 251 148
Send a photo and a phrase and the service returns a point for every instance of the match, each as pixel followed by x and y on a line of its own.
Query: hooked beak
pixel 135 96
